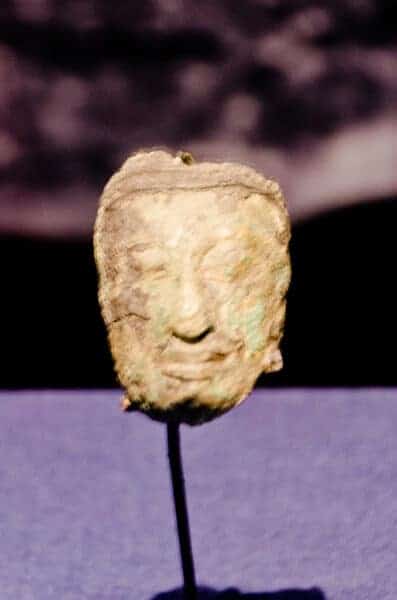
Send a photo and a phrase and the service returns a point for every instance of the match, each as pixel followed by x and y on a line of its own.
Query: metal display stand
pixel 182 519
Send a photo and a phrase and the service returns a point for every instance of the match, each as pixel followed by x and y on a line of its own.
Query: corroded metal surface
pixel 193 271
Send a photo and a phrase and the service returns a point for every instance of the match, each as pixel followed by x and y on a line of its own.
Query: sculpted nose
pixel 191 321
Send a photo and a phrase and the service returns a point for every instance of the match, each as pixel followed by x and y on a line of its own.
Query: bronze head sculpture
pixel 193 272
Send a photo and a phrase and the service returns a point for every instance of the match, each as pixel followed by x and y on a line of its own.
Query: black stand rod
pixel 182 519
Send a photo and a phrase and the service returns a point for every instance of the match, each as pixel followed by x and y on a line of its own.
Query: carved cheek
pixel 254 326
pixel 231 310
pixel 159 308
pixel 137 302
pixel 128 301
pixel 244 308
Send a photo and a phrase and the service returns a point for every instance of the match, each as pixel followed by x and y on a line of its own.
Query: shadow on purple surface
pixel 205 593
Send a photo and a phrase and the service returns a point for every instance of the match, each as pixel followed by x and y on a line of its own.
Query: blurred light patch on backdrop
pixel 305 92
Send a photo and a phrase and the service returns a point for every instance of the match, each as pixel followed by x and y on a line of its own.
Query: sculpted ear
pixel 272 358
pixel 272 361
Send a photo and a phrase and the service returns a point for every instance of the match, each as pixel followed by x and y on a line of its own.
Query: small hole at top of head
pixel 186 157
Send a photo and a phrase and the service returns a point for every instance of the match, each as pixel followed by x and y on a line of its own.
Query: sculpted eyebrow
pixel 141 246
pixel 226 244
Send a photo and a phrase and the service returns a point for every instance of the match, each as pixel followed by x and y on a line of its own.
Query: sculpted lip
pixel 182 352
pixel 192 368
pixel 189 371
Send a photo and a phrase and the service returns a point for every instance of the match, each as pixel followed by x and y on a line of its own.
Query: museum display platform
pixel 292 495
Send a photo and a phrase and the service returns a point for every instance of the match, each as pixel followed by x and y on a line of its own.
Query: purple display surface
pixel 293 490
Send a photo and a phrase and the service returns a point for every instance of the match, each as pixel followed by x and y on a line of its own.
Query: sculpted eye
pixel 149 259
pixel 225 261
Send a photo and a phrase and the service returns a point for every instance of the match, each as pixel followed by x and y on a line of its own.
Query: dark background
pixel 303 91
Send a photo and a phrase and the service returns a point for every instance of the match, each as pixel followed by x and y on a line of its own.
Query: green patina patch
pixel 253 329
pixel 160 322
pixel 235 311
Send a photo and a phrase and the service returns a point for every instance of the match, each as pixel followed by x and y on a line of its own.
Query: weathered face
pixel 192 291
